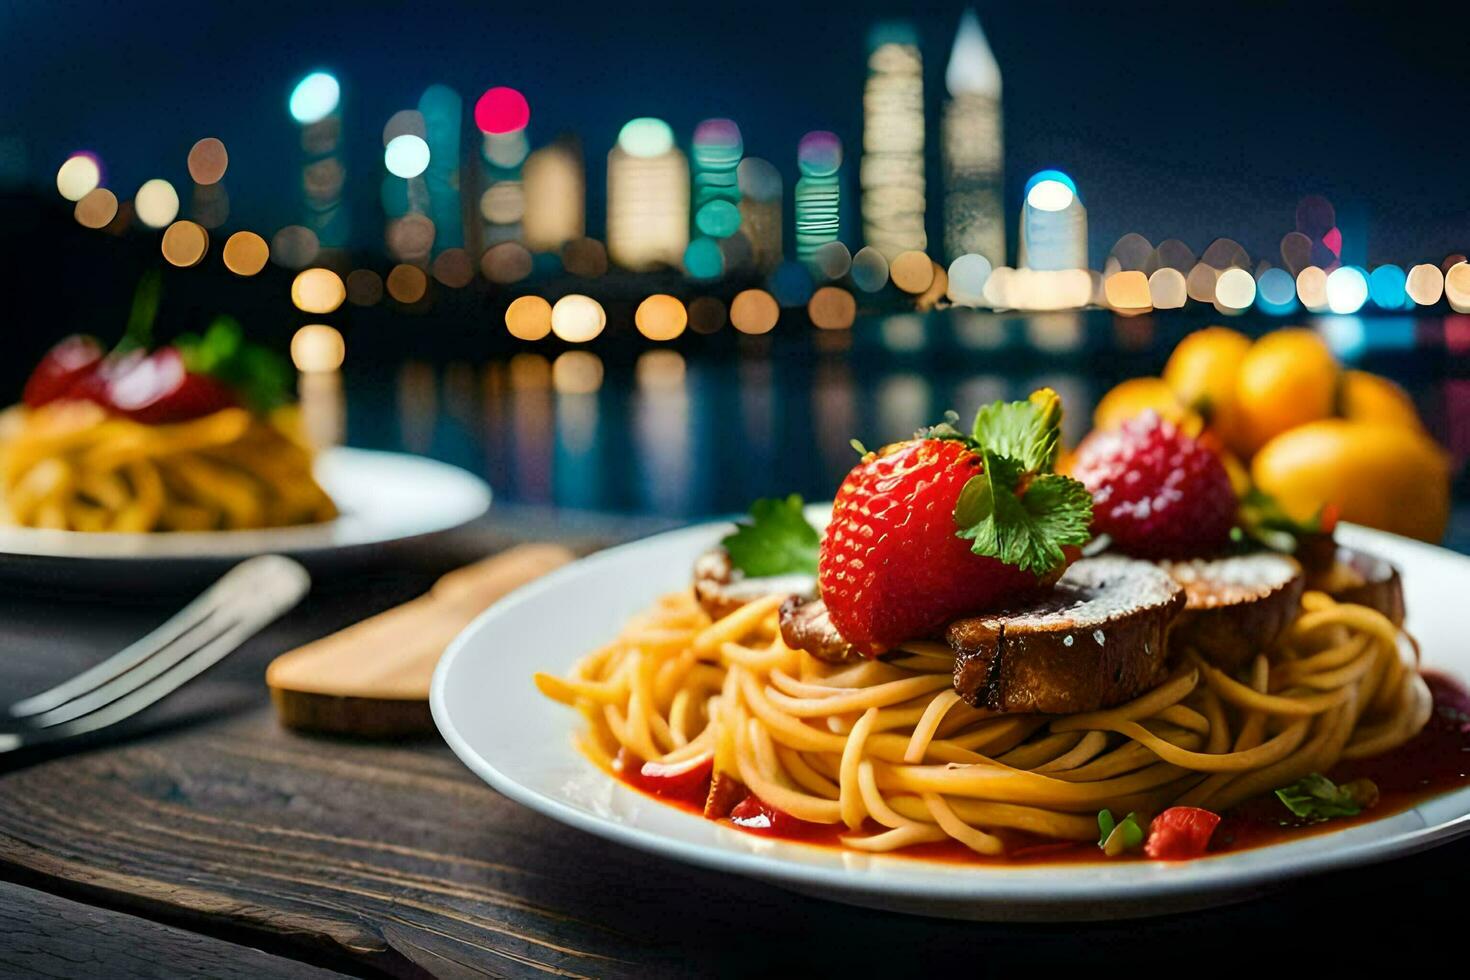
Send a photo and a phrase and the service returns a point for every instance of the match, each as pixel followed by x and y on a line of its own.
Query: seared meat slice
pixel 1099 639
pixel 1237 606
pixel 805 625
pixel 1367 580
pixel 722 588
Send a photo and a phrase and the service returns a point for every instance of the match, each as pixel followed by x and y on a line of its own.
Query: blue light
pixel 1386 287
pixel 1049 177
pixel 1347 289
pixel 791 284
pixel 1276 292
pixel 315 98
pixel 703 259
pixel 406 156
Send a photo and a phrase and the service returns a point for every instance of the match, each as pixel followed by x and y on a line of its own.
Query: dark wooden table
pixel 209 841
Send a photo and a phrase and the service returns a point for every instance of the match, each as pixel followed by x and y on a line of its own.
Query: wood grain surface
pixel 209 824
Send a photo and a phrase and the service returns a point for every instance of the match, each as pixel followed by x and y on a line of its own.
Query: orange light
pixel 454 269
pixel 208 160
pixel 754 311
pixel 407 283
pixel 318 291
pixel 661 317
pixel 833 308
pixel 912 271
pixel 506 263
pixel 528 318
pixel 97 208
pixel 364 287
pixel 576 372
pixel 246 253
pixel 185 244
pixel 1127 291
pixel 317 348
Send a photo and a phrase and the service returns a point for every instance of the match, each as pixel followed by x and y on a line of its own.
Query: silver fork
pixel 245 599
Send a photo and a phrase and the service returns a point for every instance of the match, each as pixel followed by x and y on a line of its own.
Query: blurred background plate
pixel 384 499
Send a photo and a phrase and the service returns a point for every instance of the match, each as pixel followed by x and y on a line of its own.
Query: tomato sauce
pixel 1435 761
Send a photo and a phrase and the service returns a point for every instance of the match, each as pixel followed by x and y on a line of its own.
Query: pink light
pixel 502 110
pixel 1333 241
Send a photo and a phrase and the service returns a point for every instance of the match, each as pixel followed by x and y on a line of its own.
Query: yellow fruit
pixel 1371 398
pixel 1377 474
pixel 1287 378
pixel 1203 368
pixel 1135 396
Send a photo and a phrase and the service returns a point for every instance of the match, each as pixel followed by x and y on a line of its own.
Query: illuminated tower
pixel 1053 224
pixel 892 171
pixel 556 194
pixel 760 211
pixel 974 213
pixel 818 191
pixel 716 152
pixel 647 197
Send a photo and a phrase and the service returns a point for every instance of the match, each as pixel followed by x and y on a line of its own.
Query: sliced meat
pixel 1099 639
pixel 1367 580
pixel 805 625
pixel 721 588
pixel 1237 606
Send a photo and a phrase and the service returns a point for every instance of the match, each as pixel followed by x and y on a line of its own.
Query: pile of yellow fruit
pixel 1300 428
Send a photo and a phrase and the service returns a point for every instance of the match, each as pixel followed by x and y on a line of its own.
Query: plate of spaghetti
pixel 194 451
pixel 977 687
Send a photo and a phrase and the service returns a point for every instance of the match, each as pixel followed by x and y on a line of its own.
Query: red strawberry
pixel 1157 492
pixel 943 526
pixel 62 367
pixel 158 389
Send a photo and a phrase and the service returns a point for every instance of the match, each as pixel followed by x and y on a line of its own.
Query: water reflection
pixel 705 425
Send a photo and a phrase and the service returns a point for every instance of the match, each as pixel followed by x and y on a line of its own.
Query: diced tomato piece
pixel 1331 513
pixel 682 779
pixel 1180 833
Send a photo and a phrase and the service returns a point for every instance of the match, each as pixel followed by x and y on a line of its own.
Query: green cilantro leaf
pixel 1028 432
pixel 1318 798
pixel 1262 519
pixel 1118 836
pixel 139 332
pixel 1105 825
pixel 777 540
pixel 1026 527
pixel 261 378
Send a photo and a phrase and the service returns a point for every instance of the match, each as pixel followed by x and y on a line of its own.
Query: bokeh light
pixel 1050 190
pixel 364 287
pixel 718 219
pixel 156 203
pixel 1276 292
pixel 208 160
pixel 406 156
pixel 576 372
pixel 1128 290
pixel 832 308
pixel 1347 289
pixel 791 284
pixel 819 153
pixel 502 110
pixel 577 319
pixel 1311 288
pixel 1386 287
pixel 1425 284
pixel 506 263
pixel 317 291
pixel 1167 288
pixel 912 271
pixel 659 370
pixel 703 259
pixel 967 276
pixel 832 261
pixel 245 253
pixel 454 268
pixel 528 318
pixel 1235 291
pixel 317 348
pixel 646 137
pixel 869 269
pixel 754 311
pixel 315 98
pixel 706 315
pixel 295 247
pixel 1457 287
pixel 99 207
pixel 78 176
pixel 405 122
pixel 584 257
pixel 185 244
pixel 407 283
pixel 661 317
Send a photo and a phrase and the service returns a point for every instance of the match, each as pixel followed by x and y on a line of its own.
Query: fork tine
pixel 191 666
pixel 265 573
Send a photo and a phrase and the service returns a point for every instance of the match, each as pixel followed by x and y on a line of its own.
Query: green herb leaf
pixel 777 540
pixel 1262 519
pixel 1028 432
pixel 1029 527
pixel 139 333
pixel 261 378
pixel 1105 825
pixel 1318 798
pixel 1116 837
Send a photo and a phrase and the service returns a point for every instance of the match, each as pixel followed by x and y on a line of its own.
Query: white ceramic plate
pixel 383 497
pixel 520 743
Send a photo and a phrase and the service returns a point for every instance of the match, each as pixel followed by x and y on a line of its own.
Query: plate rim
pixel 1025 885
pixel 193 546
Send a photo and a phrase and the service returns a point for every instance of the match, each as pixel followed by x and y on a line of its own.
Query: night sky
pixel 1177 120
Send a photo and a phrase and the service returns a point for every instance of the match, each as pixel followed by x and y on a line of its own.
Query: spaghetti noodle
pixel 887 748
pixel 71 465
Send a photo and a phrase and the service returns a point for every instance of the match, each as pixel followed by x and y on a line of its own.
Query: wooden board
pixel 372 678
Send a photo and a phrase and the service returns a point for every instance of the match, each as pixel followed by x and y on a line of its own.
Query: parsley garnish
pixel 1263 520
pixel 1017 510
pixel 777 540
pixel 1318 798
pixel 258 376
pixel 1117 836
